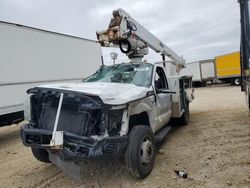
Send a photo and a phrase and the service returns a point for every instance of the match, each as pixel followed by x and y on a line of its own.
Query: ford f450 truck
pixel 121 110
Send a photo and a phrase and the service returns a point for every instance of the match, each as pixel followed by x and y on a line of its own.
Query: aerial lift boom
pixel 133 39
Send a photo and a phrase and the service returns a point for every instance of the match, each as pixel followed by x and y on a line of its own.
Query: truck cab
pixel 155 86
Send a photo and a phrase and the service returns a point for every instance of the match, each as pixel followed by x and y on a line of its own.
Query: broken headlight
pixel 114 122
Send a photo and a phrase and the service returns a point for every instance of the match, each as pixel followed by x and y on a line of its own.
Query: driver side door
pixel 163 100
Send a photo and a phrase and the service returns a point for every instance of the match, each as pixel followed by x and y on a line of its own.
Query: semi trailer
pixel 31 56
pixel 202 71
pixel 224 68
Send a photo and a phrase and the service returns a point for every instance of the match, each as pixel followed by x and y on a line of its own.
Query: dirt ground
pixel 214 149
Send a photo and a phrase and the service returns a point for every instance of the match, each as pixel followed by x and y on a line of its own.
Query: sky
pixel 195 29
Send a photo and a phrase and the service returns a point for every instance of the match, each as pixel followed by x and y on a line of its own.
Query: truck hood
pixel 110 93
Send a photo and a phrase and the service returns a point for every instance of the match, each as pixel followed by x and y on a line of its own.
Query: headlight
pixel 27 109
pixel 114 121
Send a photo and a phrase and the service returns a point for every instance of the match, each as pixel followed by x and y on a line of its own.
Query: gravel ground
pixel 213 149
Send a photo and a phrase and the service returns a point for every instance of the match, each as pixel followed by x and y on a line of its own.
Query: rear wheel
pixel 140 152
pixel 41 155
pixel 237 81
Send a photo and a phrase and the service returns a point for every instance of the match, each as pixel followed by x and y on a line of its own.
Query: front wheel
pixel 140 152
pixel 41 155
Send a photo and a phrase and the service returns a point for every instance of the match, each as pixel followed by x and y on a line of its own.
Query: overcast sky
pixel 196 29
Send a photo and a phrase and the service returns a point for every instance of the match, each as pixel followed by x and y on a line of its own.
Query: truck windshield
pixel 132 73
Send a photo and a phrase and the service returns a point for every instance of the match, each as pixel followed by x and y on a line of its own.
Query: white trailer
pixel 30 57
pixel 208 72
pixel 192 69
pixel 202 71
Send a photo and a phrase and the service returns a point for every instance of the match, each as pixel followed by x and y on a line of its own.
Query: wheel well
pixel 139 119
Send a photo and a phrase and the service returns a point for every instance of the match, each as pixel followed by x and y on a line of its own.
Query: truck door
pixel 163 100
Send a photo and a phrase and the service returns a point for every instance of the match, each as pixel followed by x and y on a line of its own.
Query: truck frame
pixel 121 110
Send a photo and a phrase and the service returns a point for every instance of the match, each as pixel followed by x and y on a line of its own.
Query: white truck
pixel 121 110
pixel 202 71
pixel 30 57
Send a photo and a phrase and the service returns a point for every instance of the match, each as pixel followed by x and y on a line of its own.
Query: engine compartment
pixel 80 114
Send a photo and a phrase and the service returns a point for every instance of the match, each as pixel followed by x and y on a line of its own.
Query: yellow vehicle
pixel 228 68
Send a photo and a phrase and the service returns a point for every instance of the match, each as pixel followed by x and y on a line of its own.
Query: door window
pixel 160 79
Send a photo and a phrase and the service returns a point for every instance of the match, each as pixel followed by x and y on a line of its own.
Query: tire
pixel 184 119
pixel 41 155
pixel 140 152
pixel 236 81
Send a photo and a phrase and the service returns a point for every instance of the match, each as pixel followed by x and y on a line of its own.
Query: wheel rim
pixel 147 151
pixel 237 82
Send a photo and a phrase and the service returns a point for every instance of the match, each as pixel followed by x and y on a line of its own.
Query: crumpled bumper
pixel 75 146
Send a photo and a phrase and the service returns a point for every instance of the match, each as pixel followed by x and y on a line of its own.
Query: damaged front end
pixel 74 125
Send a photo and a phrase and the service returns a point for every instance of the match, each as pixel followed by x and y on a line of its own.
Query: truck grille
pixel 80 114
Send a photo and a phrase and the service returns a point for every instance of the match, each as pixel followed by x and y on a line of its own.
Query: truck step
pixel 162 133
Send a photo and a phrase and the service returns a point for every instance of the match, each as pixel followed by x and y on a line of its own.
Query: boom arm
pixel 125 31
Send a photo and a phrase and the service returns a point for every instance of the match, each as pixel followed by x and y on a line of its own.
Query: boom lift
pixel 133 39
